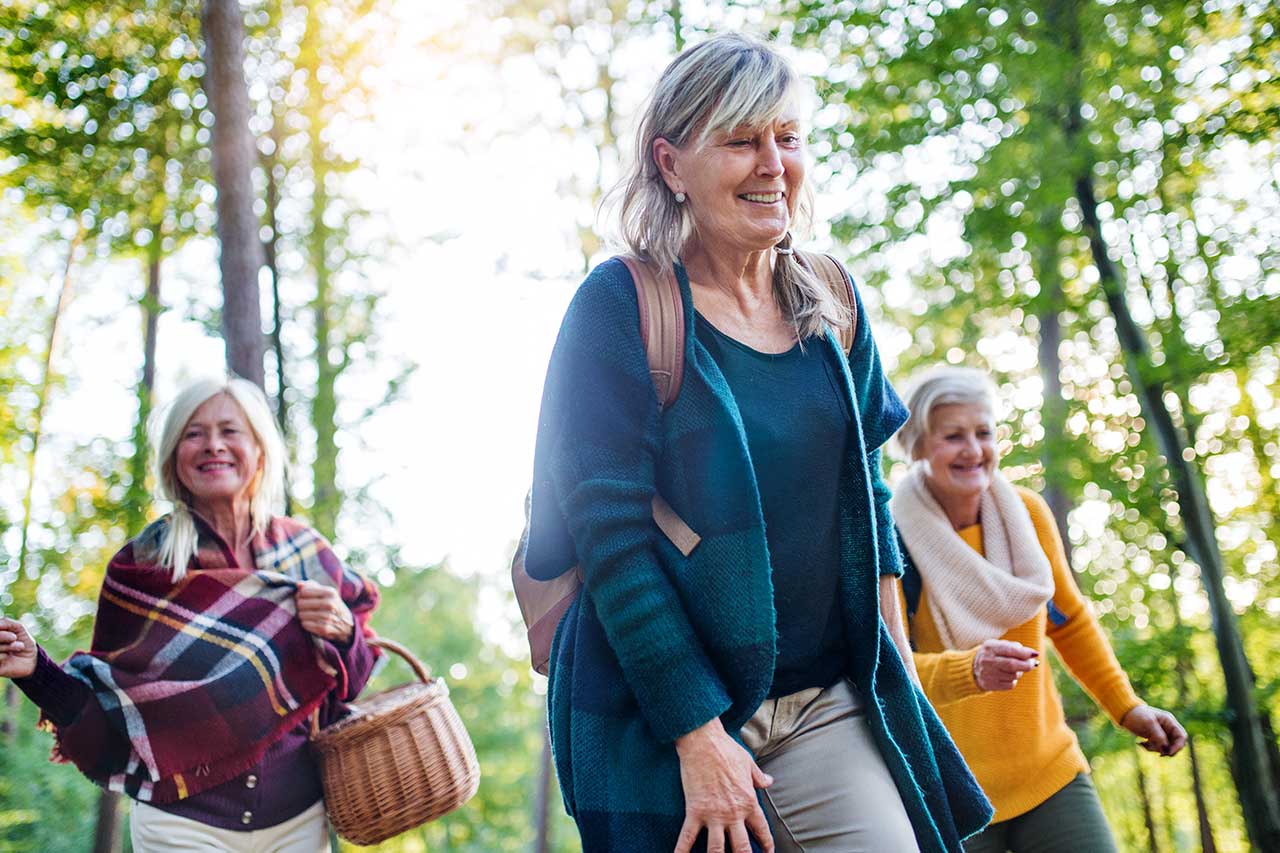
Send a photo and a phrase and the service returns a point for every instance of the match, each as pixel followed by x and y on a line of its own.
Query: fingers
pixel 1177 734
pixel 312 591
pixel 1010 649
pixel 759 778
pixel 759 827
pixel 1167 734
pixel 1014 667
pixel 1156 736
pixel 12 629
pixel 1000 663
pixel 739 841
pixel 688 834
pixel 715 838
pixel 13 637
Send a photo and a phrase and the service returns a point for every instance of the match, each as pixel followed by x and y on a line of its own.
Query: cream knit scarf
pixel 973 598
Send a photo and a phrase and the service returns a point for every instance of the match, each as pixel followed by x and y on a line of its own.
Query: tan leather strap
pixel 661 326
pixel 829 270
pixel 680 534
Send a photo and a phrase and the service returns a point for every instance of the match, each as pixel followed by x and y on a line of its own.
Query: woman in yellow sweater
pixel 987 582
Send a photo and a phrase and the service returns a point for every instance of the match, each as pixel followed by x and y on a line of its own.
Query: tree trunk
pixel 542 819
pixel 270 251
pixel 22 583
pixel 137 498
pixel 1254 774
pixel 277 324
pixel 1144 798
pixel 240 255
pixel 327 500
pixel 106 836
pixel 1053 414
pixel 42 400
pixel 1207 844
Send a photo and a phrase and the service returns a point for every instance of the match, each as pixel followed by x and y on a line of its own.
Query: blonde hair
pixel 179 540
pixel 941 385
pixel 720 85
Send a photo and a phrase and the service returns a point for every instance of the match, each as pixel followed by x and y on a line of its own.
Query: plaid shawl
pixel 194 680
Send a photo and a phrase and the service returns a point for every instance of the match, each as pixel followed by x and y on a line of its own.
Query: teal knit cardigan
pixel 661 643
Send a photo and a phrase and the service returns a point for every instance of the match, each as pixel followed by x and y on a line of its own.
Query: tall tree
pixel 234 156
pixel 23 591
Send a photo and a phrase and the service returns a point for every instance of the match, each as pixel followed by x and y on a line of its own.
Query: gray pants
pixel 831 789
pixel 1071 821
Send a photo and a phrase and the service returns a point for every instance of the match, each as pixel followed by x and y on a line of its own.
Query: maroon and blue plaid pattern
pixel 194 680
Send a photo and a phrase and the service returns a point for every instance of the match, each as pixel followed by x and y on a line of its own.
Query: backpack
pixel 543 603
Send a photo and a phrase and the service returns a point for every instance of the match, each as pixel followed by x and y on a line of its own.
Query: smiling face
pixel 218 458
pixel 743 187
pixel 960 449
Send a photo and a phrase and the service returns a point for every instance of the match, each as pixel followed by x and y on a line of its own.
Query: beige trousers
pixel 831 790
pixel 154 830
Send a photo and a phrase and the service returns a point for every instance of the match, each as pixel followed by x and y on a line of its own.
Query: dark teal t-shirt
pixel 797 422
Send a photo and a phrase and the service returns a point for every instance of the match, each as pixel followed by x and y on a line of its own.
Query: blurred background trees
pixel 1081 197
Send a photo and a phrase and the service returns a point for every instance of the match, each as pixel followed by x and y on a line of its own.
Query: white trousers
pixel 156 831
pixel 831 789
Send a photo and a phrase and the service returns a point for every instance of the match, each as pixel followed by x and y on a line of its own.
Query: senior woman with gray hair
pixel 745 693
pixel 987 582
pixel 221 629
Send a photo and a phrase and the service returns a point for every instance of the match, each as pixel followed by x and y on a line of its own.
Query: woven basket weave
pixel 401 759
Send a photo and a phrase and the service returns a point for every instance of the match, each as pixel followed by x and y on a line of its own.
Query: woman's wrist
pixel 690 741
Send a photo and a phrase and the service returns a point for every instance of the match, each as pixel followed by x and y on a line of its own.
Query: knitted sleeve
pixel 945 676
pixel 59 696
pixel 1077 636
pixel 600 413
pixel 886 538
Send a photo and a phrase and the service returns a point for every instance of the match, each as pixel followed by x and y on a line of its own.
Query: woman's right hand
pixel 720 780
pixel 17 650
pixel 1000 663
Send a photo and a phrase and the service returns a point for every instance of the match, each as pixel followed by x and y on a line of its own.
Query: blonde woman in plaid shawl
pixel 220 630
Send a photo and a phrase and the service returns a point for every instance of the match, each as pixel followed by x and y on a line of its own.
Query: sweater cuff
pixel 1119 701
pixel 60 696
pixel 679 695
pixel 957 674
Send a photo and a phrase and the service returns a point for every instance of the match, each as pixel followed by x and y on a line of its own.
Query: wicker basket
pixel 401 759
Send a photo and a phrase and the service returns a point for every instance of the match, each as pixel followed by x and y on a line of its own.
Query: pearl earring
pixel 680 197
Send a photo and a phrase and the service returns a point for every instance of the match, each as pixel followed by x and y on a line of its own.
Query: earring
pixel 784 248
pixel 680 197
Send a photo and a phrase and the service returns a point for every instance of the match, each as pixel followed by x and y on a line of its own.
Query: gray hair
pixel 942 385
pixel 179 542
pixel 720 85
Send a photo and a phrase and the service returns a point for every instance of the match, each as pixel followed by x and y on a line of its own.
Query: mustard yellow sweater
pixel 1017 742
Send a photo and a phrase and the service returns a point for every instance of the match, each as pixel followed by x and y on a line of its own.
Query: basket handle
pixel 420 669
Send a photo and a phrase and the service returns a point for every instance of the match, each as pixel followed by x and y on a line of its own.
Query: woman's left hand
pixel 322 612
pixel 1159 730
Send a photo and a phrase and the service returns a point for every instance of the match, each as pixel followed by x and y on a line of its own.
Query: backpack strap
pixel 661 325
pixel 829 271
